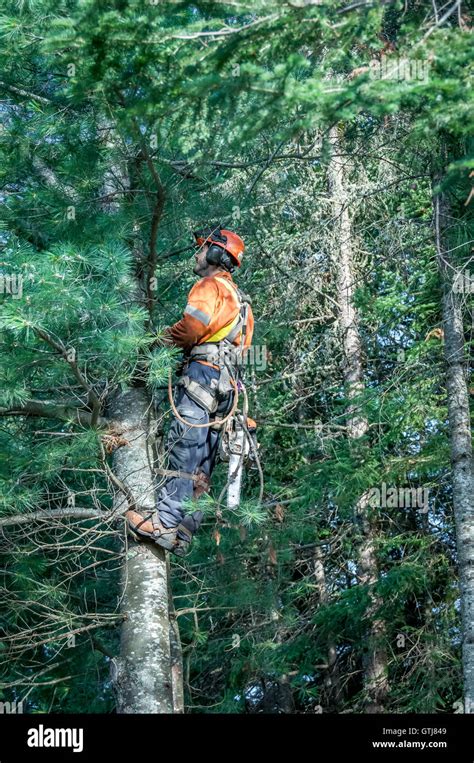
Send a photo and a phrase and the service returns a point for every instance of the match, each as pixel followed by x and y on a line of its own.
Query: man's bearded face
pixel 202 264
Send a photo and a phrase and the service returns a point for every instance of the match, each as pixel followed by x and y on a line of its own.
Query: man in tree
pixel 215 331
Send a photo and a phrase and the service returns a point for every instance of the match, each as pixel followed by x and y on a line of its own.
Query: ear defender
pixel 225 247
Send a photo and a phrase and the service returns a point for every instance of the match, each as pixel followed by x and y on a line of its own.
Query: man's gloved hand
pixel 181 366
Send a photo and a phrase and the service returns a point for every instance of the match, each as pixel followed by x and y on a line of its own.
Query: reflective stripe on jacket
pixel 211 312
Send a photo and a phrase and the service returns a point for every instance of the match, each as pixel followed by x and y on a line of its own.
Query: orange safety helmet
pixel 223 239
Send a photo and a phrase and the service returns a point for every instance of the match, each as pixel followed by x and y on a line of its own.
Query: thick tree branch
pixel 51 514
pixel 24 93
pixel 52 180
pixel 74 632
pixel 54 410
pixel 224 32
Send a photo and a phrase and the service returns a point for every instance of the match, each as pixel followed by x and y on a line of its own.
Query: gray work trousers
pixel 189 449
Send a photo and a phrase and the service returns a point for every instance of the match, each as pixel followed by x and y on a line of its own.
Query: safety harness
pixel 221 352
pixel 237 442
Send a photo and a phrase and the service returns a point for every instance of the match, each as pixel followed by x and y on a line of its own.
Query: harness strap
pixel 241 318
pixel 233 333
pixel 201 393
pixel 215 352
pixel 198 478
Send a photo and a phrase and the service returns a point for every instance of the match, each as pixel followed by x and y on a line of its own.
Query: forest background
pixel 336 139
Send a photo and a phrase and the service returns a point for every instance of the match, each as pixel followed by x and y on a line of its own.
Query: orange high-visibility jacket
pixel 212 307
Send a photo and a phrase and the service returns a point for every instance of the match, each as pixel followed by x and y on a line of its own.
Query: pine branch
pixel 93 401
pixel 68 634
pixel 224 32
pixel 24 93
pixel 52 180
pixel 51 514
pixel 160 198
pixel 54 410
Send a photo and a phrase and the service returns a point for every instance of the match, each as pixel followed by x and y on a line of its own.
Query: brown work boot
pixel 186 530
pixel 150 528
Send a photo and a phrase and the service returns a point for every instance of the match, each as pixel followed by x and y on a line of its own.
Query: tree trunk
pixel 375 657
pixel 176 653
pixel 142 674
pixel 332 686
pixel 461 442
pixel 147 675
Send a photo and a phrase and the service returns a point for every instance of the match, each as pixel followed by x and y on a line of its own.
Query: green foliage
pixel 231 105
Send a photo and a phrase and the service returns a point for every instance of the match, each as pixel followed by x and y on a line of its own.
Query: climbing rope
pixel 220 423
